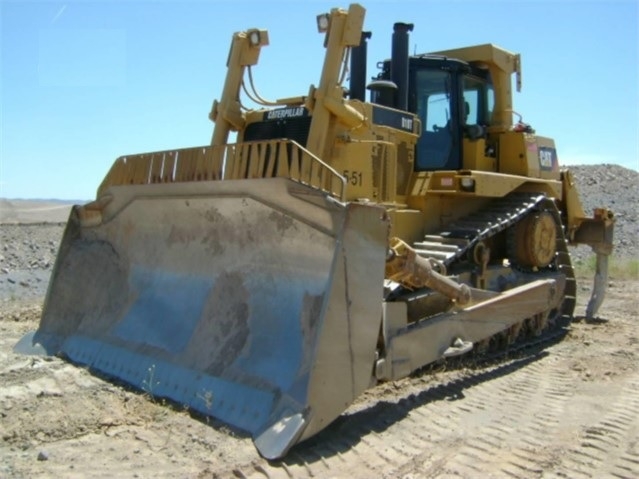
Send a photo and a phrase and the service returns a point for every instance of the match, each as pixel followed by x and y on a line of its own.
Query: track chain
pixel 461 236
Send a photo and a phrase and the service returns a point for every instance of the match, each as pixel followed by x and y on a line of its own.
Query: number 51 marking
pixel 353 177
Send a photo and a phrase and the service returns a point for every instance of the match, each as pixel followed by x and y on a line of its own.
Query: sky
pixel 83 82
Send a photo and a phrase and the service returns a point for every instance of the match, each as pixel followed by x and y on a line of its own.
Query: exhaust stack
pixel 399 63
pixel 359 55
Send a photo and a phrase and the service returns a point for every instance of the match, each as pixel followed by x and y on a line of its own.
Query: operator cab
pixel 453 100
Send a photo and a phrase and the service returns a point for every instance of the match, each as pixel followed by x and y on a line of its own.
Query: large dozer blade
pixel 257 302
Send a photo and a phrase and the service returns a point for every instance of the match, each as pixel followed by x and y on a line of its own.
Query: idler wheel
pixel 535 240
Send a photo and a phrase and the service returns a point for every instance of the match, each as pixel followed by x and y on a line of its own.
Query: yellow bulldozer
pixel 337 243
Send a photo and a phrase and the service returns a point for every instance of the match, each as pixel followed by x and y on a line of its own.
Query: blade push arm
pixel 226 114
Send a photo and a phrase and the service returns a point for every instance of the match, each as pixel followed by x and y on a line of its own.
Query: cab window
pixel 433 88
pixel 478 101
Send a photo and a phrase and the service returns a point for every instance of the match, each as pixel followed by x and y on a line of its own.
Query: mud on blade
pixel 250 301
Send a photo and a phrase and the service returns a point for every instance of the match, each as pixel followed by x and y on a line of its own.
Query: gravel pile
pixel 616 188
pixel 28 251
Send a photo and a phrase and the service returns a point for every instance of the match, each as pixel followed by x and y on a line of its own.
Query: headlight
pixel 467 183
pixel 322 22
pixel 254 38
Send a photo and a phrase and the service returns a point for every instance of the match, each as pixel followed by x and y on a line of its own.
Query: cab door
pixel 434 99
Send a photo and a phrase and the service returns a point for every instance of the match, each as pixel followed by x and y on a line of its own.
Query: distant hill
pixel 47 200
pixel 35 210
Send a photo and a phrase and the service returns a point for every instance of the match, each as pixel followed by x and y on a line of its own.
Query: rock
pixel 43 456
pixel 612 186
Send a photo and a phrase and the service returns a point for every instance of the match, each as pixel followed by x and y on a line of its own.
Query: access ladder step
pixel 436 246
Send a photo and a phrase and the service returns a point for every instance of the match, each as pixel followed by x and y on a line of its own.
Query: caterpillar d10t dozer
pixel 336 244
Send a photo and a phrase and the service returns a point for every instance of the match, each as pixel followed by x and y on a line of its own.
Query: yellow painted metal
pixel 369 168
pixel 595 231
pixel 408 224
pixel 240 161
pixel 227 113
pixel 535 239
pixel 376 160
pixel 405 266
pixel 346 114
pixel 344 31
pixel 501 64
pixel 486 184
pixel 426 341
pixel 475 158
pixel 520 154
pixel 572 203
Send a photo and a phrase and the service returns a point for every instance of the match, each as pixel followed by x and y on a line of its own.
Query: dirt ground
pixel 569 410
